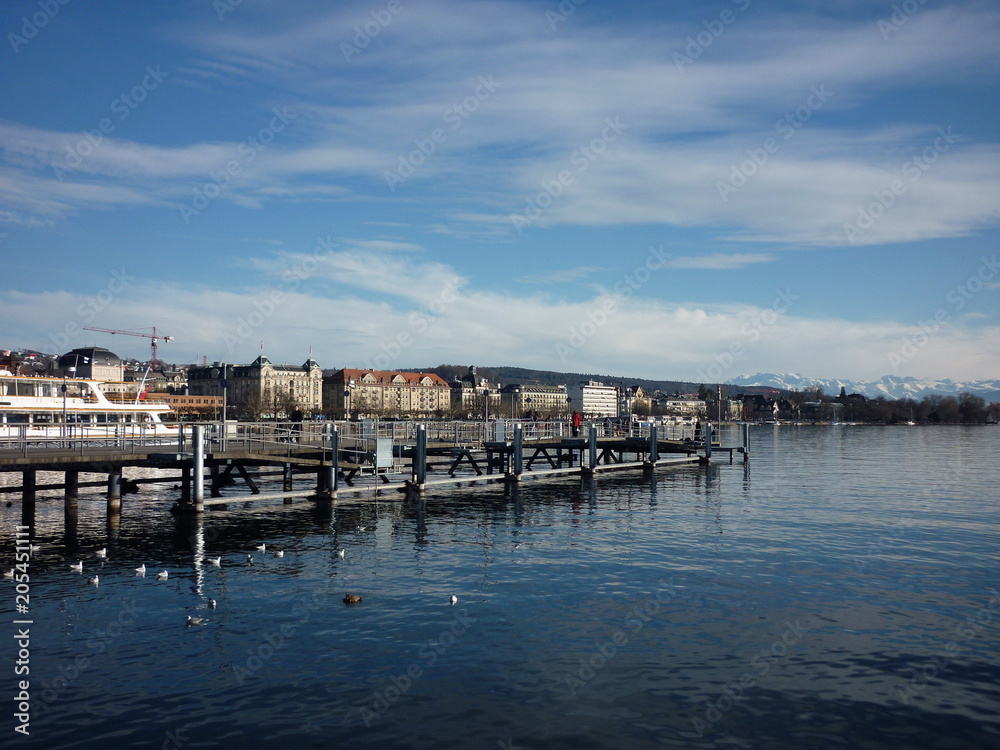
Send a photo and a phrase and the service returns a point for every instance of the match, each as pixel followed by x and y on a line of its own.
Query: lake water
pixel 840 591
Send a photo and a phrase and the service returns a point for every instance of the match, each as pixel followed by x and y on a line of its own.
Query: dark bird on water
pixel 352 598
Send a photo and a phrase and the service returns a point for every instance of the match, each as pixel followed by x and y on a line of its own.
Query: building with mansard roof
pixel 383 393
pixel 262 389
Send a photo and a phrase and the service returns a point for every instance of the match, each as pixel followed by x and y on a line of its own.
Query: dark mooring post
pixel 198 447
pixel 327 482
pixel 518 454
pixel 746 442
pixel 114 491
pixel 71 487
pixel 592 445
pixel 708 440
pixel 28 486
pixel 654 445
pixel 287 478
pixel 420 458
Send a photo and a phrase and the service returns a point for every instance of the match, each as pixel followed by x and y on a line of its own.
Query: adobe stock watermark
pixel 123 106
pixel 31 25
pixel 398 685
pixel 369 30
pixel 751 330
pixel 760 663
pixel 634 621
pixel 455 116
pixel 786 127
pixel 419 322
pixel 265 307
pixel 714 28
pixel 913 168
pixel 247 151
pixel 258 656
pixel 88 310
pixel 623 289
pixel 581 158
pixel 957 298
pixel 901 13
pixel 564 11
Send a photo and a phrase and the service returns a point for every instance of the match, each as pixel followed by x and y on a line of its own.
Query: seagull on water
pixel 95 580
pixel 340 552
pixel 280 553
pixel 102 552
pixel 77 567
pixel 262 547
pixel 163 575
pixel 454 599
pixel 249 559
pixel 211 603
pixel 195 621
pixel 216 561
pixel 141 570
pixel 9 573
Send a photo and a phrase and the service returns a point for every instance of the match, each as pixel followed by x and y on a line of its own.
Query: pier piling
pixel 198 446
pixel 114 491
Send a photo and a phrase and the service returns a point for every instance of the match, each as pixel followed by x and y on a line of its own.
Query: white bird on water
pixel 280 553
pixel 249 559
pixel 340 552
pixel 9 573
pixel 141 570
pixel 211 603
pixel 77 567
pixel 454 599
pixel 95 580
pixel 216 561
pixel 262 547
pixel 102 552
pixel 195 620
pixel 163 575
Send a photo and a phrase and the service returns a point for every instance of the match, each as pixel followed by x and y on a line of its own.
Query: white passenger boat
pixel 38 407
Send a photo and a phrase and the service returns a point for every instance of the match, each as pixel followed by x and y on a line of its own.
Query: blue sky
pixel 669 190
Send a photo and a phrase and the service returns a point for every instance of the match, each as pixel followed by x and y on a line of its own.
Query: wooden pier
pixel 327 459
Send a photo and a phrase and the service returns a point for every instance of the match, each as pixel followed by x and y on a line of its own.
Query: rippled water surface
pixel 840 591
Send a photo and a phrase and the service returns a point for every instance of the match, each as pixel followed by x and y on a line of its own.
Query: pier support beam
pixel 28 483
pixel 198 447
pixel 71 487
pixel 517 459
pixel 708 441
pixel 592 446
pixel 114 492
pixel 326 482
pixel 419 470
pixel 746 443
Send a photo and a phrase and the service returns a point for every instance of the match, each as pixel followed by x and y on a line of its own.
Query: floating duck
pixel 95 580
pixel 102 552
pixel 454 599
pixel 216 561
pixel 280 553
pixel 211 603
pixel 9 573
pixel 352 598
pixel 163 575
pixel 195 621
pixel 249 559
pixel 141 570
pixel 340 552
pixel 77 567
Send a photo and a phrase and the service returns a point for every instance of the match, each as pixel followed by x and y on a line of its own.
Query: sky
pixel 669 190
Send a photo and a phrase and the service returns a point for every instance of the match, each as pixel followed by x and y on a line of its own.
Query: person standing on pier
pixel 576 421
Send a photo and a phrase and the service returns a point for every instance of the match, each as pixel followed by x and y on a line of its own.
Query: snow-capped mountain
pixel 889 386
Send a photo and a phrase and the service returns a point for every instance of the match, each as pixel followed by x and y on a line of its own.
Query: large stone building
pixel 470 394
pixel 262 389
pixel 381 393
pixel 545 400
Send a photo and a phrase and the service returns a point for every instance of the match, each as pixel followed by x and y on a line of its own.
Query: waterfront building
pixel 545 400
pixel 262 389
pixel 93 363
pixel 383 393
pixel 594 399
pixel 470 393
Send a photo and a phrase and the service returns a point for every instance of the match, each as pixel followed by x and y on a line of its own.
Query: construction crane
pixel 154 336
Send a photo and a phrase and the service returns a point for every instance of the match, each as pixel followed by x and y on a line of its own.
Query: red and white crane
pixel 154 336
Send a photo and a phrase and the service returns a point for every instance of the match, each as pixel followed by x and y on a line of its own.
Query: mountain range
pixel 889 386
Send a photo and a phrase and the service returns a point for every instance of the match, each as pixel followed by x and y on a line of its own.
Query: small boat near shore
pixel 40 407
